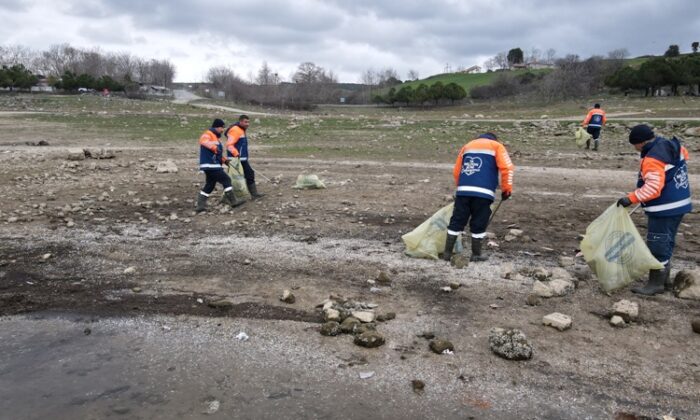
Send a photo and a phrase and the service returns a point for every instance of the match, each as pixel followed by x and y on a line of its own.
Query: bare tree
pixel 412 75
pixel 501 60
pixel 490 64
pixel 550 56
pixel 534 56
pixel 265 76
pixel 618 54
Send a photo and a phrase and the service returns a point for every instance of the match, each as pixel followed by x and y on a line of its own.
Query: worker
pixel 211 159
pixel 595 120
pixel 476 176
pixel 237 147
pixel 664 192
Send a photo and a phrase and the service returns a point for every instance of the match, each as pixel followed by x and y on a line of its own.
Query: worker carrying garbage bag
pixel 476 174
pixel 663 189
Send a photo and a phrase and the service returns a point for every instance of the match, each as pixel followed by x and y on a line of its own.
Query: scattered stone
pixel 459 261
pixel 418 386
pixel 533 300
pixel 75 154
pixel 87 331
pixel 369 339
pixel 557 320
pixel 386 317
pixel 136 289
pixel 695 324
pixel 617 321
pixel 287 296
pixel 540 273
pixel 220 304
pixel 446 289
pixel 330 328
pixel 454 285
pixel 439 346
pixel 364 328
pixel 242 336
pixel 510 344
pixel 515 232
pixel 349 325
pixel 383 277
pixel 212 407
pixel 46 256
pixel 692 132
pixel 686 285
pixel 364 316
pixel 366 375
pixel 542 289
pixel 166 167
pixel 130 270
pixel 566 261
pixel 626 309
pixel 331 314
pixel 561 287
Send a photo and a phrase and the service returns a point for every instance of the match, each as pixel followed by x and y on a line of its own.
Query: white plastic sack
pixel 235 172
pixel 615 251
pixel 309 182
pixel 428 239
pixel 582 136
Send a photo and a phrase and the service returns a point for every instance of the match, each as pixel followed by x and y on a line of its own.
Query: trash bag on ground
pixel 309 182
pixel 582 136
pixel 428 239
pixel 235 172
pixel 615 251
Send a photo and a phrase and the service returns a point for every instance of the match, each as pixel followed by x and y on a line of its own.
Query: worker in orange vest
pixel 476 175
pixel 211 161
pixel 594 122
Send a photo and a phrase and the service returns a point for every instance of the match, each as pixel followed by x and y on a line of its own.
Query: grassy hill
pixel 467 81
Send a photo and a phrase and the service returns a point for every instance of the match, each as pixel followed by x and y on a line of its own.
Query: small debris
pixel 130 270
pixel 533 300
pixel 446 289
pixel 287 296
pixel 695 325
pixel 136 289
pixel 383 277
pixel 87 331
pixel 510 344
pixel 366 375
pixel 212 407
pixel 330 328
pixel 349 325
pixel 557 320
pixel 221 304
pixel 628 310
pixel 440 346
pixel 369 339
pixel 454 285
pixel 617 321
pixel 46 256
pixel 418 386
pixel 242 336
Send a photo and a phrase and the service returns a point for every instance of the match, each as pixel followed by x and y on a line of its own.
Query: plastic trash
pixel 428 239
pixel 242 336
pixel 235 172
pixel 615 251
pixel 309 182
pixel 582 136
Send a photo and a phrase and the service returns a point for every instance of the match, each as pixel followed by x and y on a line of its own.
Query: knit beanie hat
pixel 218 123
pixel 641 133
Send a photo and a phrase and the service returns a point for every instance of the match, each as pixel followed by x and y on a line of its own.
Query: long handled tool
pixel 498 206
pixel 635 209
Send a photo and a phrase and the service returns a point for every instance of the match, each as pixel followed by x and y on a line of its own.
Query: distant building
pixel 42 85
pixel 472 69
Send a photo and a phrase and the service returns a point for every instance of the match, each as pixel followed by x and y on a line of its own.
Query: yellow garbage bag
pixel 615 251
pixel 428 239
pixel 309 182
pixel 582 136
pixel 235 172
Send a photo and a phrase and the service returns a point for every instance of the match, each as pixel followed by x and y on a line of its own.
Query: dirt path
pixel 186 97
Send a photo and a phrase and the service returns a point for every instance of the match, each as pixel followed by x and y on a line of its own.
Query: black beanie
pixel 218 123
pixel 641 133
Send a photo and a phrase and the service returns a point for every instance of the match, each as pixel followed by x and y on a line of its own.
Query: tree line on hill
pixel 70 68
pixel 422 94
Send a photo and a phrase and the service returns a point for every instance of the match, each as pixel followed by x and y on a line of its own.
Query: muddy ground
pixel 81 338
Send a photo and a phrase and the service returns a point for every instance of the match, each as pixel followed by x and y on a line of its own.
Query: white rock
pixel 166 167
pixel 542 289
pixel 561 287
pixel 46 256
pixel 446 289
pixel 242 336
pixel 366 375
pixel 130 270
pixel 628 310
pixel 75 154
pixel 515 232
pixel 364 316
pixel 557 320
pixel 331 314
pixel 617 321
pixel 566 261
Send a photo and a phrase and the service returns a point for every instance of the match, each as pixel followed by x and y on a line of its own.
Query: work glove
pixel 624 202
pixel 505 195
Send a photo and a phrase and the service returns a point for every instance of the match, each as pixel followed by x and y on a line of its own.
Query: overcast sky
pixel 348 37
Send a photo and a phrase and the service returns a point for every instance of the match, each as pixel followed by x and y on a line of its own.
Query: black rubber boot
pixel 654 286
pixel 231 200
pixel 668 281
pixel 253 189
pixel 588 144
pixel 595 145
pixel 449 247
pixel 476 250
pixel 201 203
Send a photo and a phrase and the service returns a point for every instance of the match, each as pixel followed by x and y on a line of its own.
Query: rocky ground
pixel 117 300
